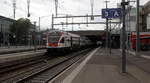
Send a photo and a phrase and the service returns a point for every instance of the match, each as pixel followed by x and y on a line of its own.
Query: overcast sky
pixel 40 8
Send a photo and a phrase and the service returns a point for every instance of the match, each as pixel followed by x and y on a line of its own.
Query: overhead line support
pixel 123 4
pixel 78 16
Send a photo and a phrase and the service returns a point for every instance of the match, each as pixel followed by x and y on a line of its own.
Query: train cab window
pixel 53 39
pixel 62 40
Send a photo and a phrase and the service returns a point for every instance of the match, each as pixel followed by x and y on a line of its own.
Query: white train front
pixel 60 41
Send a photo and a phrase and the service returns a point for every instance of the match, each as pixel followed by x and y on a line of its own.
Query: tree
pixel 20 30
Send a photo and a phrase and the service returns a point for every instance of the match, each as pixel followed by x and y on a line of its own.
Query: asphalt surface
pixel 102 68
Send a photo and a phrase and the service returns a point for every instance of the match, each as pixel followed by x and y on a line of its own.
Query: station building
pixel 4 30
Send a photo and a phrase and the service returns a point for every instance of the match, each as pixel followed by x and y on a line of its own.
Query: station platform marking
pixel 133 53
pixel 75 72
pixel 145 56
pixel 54 79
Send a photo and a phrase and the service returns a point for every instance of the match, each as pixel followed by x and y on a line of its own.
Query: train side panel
pixel 144 40
pixel 62 42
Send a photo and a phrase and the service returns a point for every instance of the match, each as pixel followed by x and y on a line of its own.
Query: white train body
pixel 64 41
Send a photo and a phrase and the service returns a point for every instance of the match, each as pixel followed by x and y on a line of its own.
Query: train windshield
pixel 54 37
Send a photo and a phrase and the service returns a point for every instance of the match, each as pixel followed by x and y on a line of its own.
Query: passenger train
pixel 62 42
pixel 144 40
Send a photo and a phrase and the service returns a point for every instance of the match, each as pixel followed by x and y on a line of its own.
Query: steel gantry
pixel 67 22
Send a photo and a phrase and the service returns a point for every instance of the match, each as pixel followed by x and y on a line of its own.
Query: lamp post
pixel 34 37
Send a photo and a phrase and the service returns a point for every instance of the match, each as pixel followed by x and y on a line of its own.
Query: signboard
pixel 111 13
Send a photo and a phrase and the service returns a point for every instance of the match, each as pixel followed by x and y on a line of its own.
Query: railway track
pixel 12 65
pixel 42 71
pixel 10 71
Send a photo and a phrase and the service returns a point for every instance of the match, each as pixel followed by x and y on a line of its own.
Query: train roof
pixel 143 38
pixel 141 33
pixel 75 35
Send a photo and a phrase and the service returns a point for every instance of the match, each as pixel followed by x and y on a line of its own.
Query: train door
pixel 67 41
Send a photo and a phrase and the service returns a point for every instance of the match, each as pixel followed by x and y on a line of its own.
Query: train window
pixel 53 39
pixel 54 33
pixel 62 40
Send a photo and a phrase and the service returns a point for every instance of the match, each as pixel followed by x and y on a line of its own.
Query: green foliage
pixel 20 29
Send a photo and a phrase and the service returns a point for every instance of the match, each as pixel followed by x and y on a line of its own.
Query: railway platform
pixel 13 49
pixel 20 56
pixel 98 67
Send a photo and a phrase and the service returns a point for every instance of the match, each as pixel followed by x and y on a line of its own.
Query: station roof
pixel 6 18
pixel 89 32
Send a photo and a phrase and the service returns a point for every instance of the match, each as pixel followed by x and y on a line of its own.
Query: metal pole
pixel 28 7
pixel 52 21
pixel 123 37
pixel 66 21
pixel 35 48
pixel 130 28
pixel 1 36
pixel 127 28
pixel 62 25
pixel 106 31
pixel 137 29
pixel 87 20
pixel 72 24
pixel 14 5
pixel 39 31
pixel 4 35
pixel 92 5
pixel 110 37
pixel 39 23
pixel 56 7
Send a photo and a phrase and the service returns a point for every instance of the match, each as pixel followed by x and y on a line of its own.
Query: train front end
pixel 53 39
